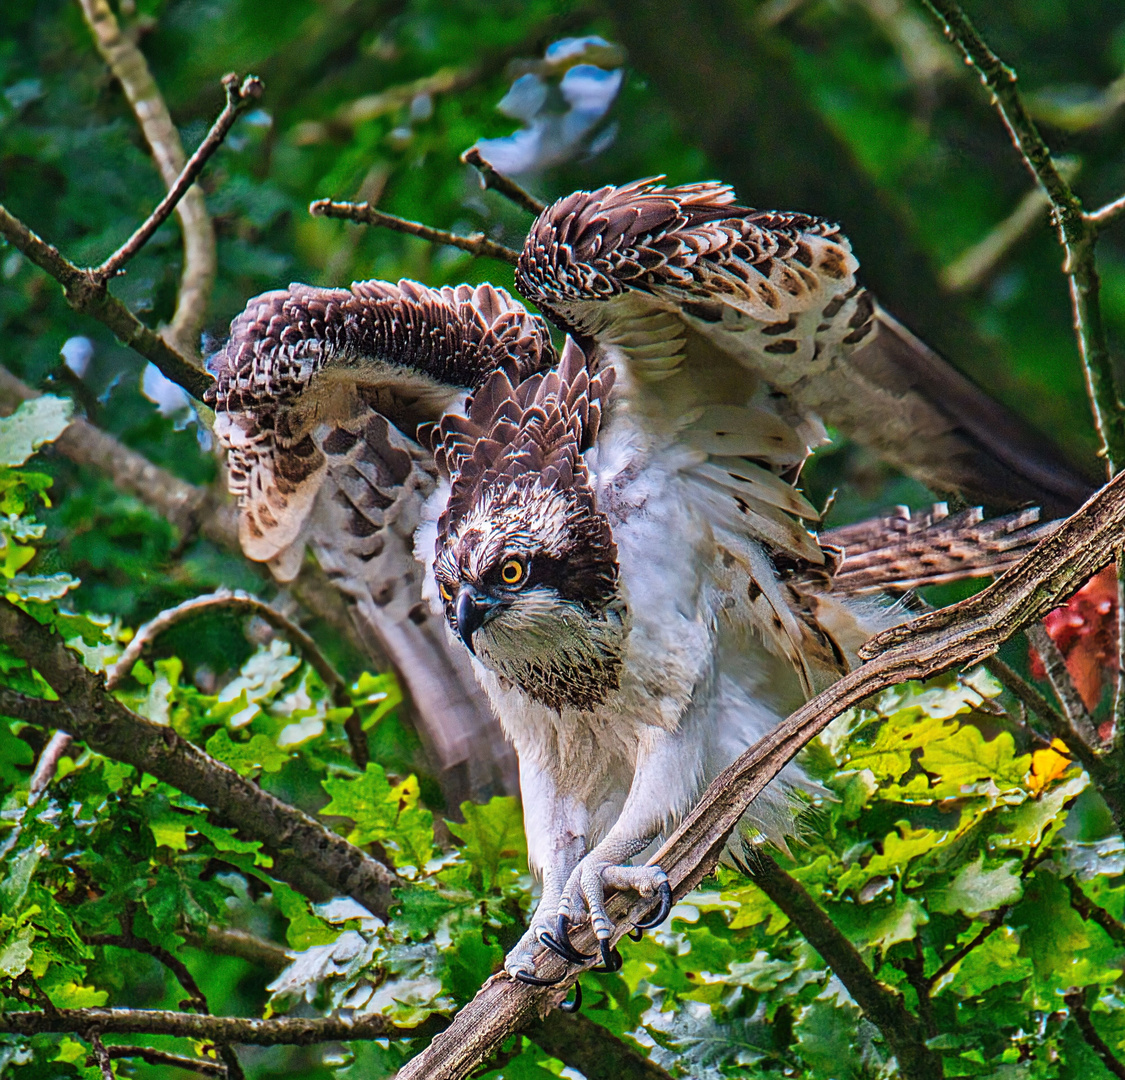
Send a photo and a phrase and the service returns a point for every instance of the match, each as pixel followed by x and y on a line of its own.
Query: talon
pixel 664 892
pixel 576 1004
pixel 611 958
pixel 566 951
pixel 562 937
pixel 534 980
pixel 635 934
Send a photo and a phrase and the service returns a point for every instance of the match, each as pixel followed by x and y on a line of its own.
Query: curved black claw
pixel 567 951
pixel 611 958
pixel 664 905
pixel 534 980
pixel 576 1004
pixel 635 934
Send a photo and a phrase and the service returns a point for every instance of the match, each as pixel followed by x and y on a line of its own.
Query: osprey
pixel 617 543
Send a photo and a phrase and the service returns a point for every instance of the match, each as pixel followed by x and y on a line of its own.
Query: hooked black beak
pixel 473 610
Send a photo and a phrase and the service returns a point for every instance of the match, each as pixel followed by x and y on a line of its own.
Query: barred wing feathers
pixel 778 293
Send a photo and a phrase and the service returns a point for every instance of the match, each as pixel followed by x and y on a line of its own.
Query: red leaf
pixel 1085 630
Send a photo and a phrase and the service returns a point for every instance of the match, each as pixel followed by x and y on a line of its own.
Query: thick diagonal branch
pixel 90 713
pixel 965 633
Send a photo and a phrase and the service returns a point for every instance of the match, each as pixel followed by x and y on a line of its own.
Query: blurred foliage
pixel 944 813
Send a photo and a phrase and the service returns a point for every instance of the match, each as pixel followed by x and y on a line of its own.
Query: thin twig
pixel 250 605
pixel 129 940
pixel 1029 696
pixel 365 214
pixel 288 1031
pixel 490 178
pixel 128 65
pixel 965 633
pixel 994 923
pixel 47 765
pixel 239 98
pixel 90 297
pixel 1104 215
pixel 163 1057
pixel 301 845
pixel 1081 727
pixel 240 943
pixel 1092 912
pixel 1076 1003
pixel 1076 233
pixel 101 1055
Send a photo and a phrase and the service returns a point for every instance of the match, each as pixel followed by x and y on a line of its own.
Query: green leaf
pixel 390 815
pixel 224 840
pixel 170 831
pixel 247 758
pixel 492 837
pixel 976 890
pixel 15 956
pixel 41 587
pixel 38 421
pixel 966 758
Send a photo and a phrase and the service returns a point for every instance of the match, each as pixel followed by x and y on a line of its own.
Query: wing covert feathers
pixel 306 369
pixel 535 430
pixel 777 292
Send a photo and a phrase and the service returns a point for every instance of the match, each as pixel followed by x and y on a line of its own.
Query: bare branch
pixel 162 1057
pixel 1107 214
pixel 287 1031
pixel 1079 727
pixel 239 99
pixel 129 67
pixel 47 765
pixel 1076 232
pixel 497 181
pixel 98 719
pixel 129 940
pixel 973 266
pixel 365 214
pixel 964 633
pixel 89 297
pixel 251 605
pixel 100 1054
pixel 596 1053
pixel 246 946
pixel 1076 1003
pixel 902 1031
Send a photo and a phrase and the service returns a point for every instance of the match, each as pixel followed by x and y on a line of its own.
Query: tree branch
pixel 964 633
pixel 365 214
pixel 288 1031
pixel 129 67
pixel 246 946
pixel 1094 912
pixel 162 1057
pixel 128 940
pixel 596 1053
pixel 87 296
pixel 251 605
pixel 498 182
pixel 1077 232
pixel 1107 214
pixel 100 1054
pixel 239 99
pixel 903 1032
pixel 1079 727
pixel 94 716
pixel 1076 1003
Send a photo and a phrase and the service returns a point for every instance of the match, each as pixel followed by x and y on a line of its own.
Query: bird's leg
pixel 556 841
pixel 659 770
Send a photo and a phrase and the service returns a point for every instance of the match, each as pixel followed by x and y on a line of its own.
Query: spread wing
pixel 736 335
pixel 318 396
pixel 649 267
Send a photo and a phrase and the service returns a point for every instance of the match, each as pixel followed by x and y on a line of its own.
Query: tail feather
pixel 902 551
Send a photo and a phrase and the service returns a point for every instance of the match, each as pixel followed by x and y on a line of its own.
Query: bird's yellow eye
pixel 445 590
pixel 511 573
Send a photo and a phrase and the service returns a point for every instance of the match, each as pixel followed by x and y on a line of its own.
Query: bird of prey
pixel 616 541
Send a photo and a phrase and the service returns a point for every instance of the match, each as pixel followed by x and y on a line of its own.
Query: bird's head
pixel 526 565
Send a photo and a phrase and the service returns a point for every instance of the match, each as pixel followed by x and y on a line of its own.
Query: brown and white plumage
pixel 778 293
pixel 318 395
